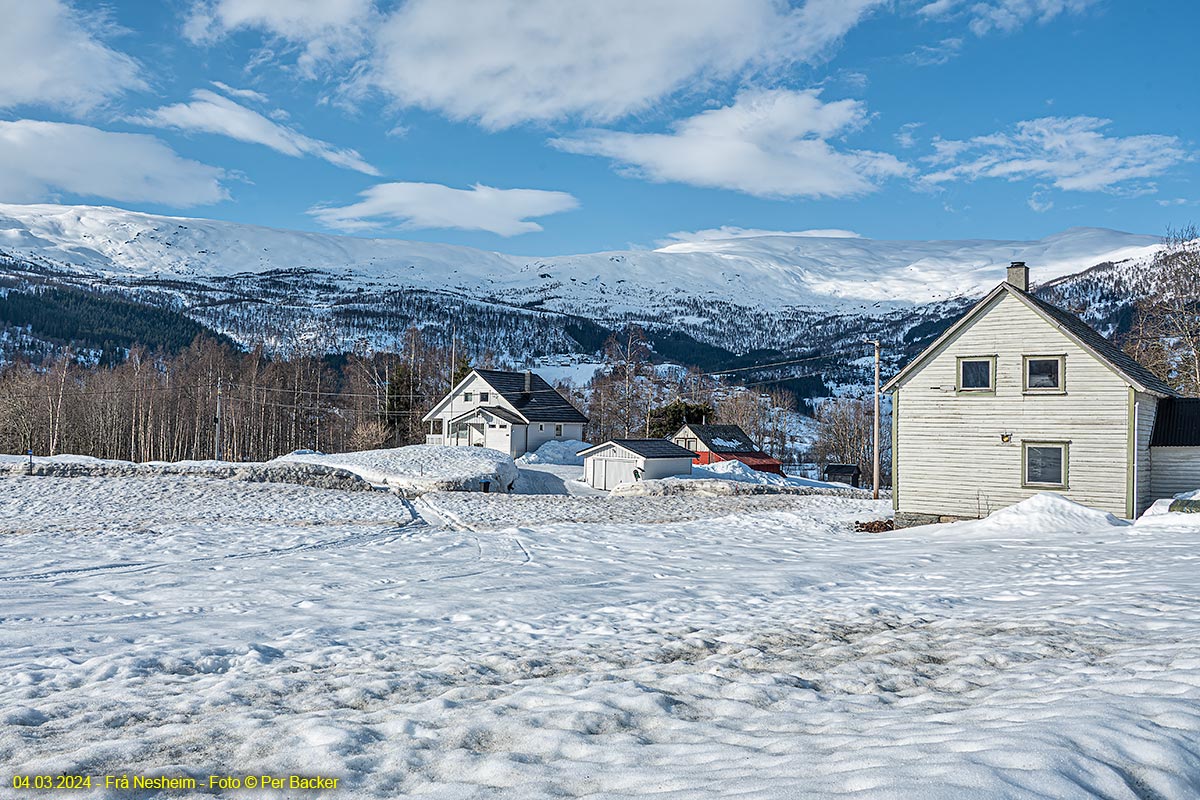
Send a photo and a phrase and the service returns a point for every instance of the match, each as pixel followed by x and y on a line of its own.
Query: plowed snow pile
pixel 420 468
pixel 188 627
pixel 565 453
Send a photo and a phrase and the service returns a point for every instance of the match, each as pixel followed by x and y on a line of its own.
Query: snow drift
pixel 564 453
pixel 420 468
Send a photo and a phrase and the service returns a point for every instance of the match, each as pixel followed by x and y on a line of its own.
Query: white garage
pixel 628 460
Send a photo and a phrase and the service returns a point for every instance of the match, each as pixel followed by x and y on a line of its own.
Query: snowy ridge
pixel 770 271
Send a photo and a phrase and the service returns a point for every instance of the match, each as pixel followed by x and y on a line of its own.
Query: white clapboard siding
pixel 950 458
pixel 1176 470
pixel 1147 409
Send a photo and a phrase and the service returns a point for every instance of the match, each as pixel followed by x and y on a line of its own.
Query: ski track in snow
pixel 494 648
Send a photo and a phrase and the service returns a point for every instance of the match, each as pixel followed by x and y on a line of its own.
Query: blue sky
pixel 550 126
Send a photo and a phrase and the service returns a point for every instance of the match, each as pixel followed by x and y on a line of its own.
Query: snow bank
pixel 737 471
pixel 420 468
pixel 1043 513
pixel 556 452
pixel 416 469
pixel 724 487
pixel 73 466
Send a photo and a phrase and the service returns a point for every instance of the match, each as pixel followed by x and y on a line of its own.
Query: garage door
pixel 611 471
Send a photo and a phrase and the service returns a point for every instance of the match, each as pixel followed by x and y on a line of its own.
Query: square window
pixel 483 397
pixel 1043 374
pixel 975 374
pixel 468 396
pixel 1046 464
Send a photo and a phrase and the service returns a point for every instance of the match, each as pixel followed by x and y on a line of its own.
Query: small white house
pixel 1019 397
pixel 628 460
pixel 513 412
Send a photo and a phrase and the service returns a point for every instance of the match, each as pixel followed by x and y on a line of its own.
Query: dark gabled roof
pixel 647 448
pixel 1177 423
pixel 542 403
pixel 1075 328
pixel 726 433
pixel 496 411
pixel 1101 346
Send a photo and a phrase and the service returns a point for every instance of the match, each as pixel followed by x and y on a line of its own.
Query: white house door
pixel 608 472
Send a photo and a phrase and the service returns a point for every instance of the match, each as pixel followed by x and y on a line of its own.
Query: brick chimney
pixel 528 381
pixel 1018 275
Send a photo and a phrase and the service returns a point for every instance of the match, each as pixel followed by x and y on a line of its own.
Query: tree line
pixel 211 399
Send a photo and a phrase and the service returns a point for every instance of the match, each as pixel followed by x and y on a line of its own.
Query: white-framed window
pixel 503 426
pixel 468 396
pixel 558 430
pixel 1045 374
pixel 483 397
pixel 492 425
pixel 541 426
pixel 977 374
pixel 1045 464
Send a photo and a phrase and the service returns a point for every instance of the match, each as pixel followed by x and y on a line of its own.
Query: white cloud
pixel 38 160
pixel 1003 15
pixel 929 55
pixel 432 205
pixel 734 232
pixel 244 94
pixel 1009 15
pixel 768 143
pixel 1070 152
pixel 325 30
pixel 504 62
pixel 1040 202
pixel 209 112
pixel 48 56
pixel 906 137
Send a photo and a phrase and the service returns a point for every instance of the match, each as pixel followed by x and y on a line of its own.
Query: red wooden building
pixel 714 443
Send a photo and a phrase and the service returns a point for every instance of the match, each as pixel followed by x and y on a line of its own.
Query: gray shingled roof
pixel 1101 346
pixel 728 433
pixel 1177 423
pixel 541 404
pixel 649 448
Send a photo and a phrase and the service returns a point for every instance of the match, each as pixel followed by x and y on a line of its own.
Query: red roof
pixel 752 459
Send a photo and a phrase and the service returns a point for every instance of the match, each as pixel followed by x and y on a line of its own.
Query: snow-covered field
pixel 755 647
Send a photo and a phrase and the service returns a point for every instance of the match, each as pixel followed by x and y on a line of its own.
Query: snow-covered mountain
pixel 706 302
pixel 771 272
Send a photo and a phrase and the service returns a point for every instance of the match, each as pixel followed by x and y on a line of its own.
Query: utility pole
pixel 217 426
pixel 453 353
pixel 876 425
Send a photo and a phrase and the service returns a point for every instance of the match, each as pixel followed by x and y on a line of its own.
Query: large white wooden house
pixel 513 412
pixel 1020 397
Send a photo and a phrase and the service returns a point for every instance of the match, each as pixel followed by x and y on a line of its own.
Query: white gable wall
pixel 949 457
pixel 456 404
